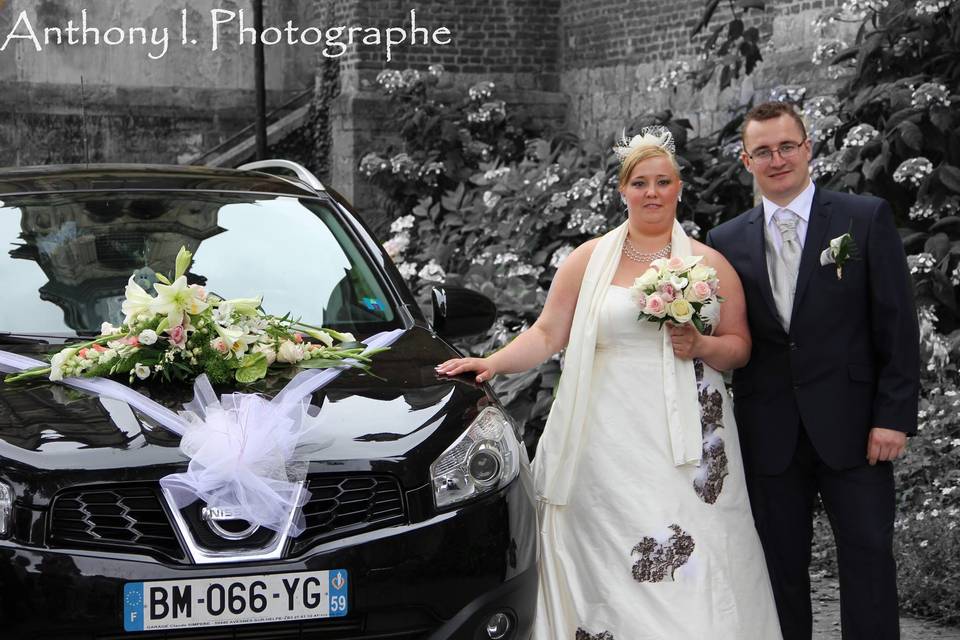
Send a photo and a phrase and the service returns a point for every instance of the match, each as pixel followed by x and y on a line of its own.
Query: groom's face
pixel 780 178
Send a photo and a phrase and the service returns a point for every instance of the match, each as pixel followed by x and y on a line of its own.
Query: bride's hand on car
pixel 459 366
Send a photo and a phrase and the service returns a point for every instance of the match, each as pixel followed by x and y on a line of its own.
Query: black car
pixel 420 521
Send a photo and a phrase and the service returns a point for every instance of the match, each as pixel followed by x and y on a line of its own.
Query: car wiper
pixel 13 338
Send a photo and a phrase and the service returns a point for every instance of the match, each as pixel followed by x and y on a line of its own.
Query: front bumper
pixel 437 579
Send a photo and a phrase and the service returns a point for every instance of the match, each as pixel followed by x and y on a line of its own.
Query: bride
pixel 645 525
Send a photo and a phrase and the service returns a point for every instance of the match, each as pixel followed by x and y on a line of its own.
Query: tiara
pixel 655 136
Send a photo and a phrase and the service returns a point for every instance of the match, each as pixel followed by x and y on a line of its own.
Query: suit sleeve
pixel 895 330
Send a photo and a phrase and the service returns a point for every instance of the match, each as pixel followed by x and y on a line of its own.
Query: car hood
pixel 398 421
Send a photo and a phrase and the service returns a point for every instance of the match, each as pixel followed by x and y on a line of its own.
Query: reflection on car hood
pixel 383 417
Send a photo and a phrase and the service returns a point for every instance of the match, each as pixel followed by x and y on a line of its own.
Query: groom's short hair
pixel 769 111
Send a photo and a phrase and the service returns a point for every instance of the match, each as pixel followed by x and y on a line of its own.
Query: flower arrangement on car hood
pixel 183 332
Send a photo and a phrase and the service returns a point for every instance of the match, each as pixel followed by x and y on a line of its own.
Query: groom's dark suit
pixel 806 401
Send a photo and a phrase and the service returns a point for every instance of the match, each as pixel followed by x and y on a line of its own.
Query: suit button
pixel 796 387
pixel 793 346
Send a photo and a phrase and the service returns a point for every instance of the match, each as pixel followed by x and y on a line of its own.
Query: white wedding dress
pixel 645 549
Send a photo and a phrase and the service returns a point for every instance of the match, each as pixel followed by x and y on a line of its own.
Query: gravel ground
pixel 826 617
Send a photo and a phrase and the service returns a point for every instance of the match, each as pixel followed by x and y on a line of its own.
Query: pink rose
pixel 99 347
pixel 178 337
pixel 82 353
pixel 639 298
pixel 675 263
pixel 217 344
pixel 298 338
pixel 134 341
pixel 656 306
pixel 699 291
pixel 667 291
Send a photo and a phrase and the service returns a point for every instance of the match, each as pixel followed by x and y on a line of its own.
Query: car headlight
pixel 484 458
pixel 6 509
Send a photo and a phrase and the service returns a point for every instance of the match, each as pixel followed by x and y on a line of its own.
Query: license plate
pixel 204 602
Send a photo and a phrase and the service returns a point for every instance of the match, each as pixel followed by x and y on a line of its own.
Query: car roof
pixel 143 177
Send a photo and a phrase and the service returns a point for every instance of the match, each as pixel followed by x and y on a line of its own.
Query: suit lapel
pixel 758 258
pixel 820 213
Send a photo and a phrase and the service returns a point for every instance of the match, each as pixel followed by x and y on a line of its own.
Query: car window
pixel 66 257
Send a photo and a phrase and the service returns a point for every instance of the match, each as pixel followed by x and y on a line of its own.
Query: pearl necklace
pixel 638 256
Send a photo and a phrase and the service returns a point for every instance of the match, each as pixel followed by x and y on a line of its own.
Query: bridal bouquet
pixel 676 290
pixel 183 332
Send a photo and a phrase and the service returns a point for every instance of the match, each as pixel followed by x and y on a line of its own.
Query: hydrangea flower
pixel 402 223
pixel 496 174
pixel 435 70
pixel 692 228
pixel 913 171
pixel 921 211
pixel 407 269
pixel 506 258
pixel 402 163
pixel 560 255
pixel 432 169
pixel 826 51
pixel 390 80
pixel 921 263
pixel 858 9
pixel 931 7
pixel 432 271
pixel 372 164
pixel 788 93
pixel 396 245
pixel 481 90
pixel 860 135
pixel 490 199
pixel 822 167
pixel 675 73
pixel 930 94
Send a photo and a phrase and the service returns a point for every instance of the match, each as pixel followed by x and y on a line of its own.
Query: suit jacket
pixel 851 359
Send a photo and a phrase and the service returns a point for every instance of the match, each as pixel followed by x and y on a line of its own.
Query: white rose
pixel 107 329
pixel 142 371
pixel 701 273
pixel 681 310
pixel 107 356
pixel 290 352
pixel 148 337
pixel 647 279
pixel 268 351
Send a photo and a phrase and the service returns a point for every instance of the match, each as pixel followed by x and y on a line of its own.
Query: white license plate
pixel 204 602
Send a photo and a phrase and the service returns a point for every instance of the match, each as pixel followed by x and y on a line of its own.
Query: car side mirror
pixel 459 312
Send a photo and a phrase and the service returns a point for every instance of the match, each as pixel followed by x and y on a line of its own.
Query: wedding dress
pixel 644 549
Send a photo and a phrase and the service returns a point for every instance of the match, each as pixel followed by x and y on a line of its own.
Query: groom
pixel 830 393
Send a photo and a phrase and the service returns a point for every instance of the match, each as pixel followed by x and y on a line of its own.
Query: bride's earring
pixel 623 199
pixel 680 195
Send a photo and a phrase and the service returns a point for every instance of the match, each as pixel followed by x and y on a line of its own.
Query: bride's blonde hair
pixel 644 152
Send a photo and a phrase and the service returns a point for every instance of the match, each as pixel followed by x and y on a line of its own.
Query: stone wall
pixel 612 48
pixel 133 108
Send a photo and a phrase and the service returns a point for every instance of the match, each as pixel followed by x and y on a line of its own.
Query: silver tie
pixel 787 265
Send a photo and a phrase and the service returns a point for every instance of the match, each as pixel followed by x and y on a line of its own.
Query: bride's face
pixel 652 190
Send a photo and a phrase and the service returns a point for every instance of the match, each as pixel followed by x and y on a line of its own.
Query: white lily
pixel 246 306
pixel 137 302
pixel 173 300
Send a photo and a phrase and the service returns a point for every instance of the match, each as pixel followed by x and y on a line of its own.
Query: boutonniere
pixel 841 249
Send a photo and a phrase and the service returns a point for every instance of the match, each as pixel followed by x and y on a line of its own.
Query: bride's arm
pixel 547 336
pixel 729 346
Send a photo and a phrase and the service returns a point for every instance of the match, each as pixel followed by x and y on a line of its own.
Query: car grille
pixel 125 517
pixel 132 518
pixel 341 505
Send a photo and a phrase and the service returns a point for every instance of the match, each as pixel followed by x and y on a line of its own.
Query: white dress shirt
pixel 800 205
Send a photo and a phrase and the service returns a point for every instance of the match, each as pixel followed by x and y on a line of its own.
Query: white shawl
pixel 565 434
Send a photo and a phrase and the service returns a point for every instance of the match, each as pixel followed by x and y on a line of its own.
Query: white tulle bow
pixel 247 453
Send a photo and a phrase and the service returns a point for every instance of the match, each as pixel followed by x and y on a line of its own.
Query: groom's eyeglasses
pixel 786 150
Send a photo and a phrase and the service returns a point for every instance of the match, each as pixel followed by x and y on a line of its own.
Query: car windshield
pixel 68 257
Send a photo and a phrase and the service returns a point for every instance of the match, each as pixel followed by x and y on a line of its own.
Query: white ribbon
pixel 246 453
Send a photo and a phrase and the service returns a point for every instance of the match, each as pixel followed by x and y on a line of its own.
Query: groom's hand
pixel 885 444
